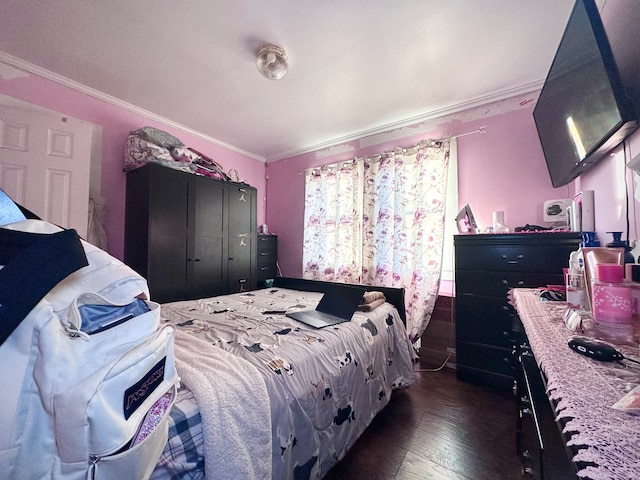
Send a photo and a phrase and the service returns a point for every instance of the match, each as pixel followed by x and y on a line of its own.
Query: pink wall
pixel 611 182
pixel 503 169
pixel 116 123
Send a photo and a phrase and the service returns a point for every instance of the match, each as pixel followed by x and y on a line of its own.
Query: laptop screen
pixel 340 300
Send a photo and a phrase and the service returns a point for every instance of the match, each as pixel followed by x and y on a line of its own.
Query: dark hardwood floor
pixel 439 428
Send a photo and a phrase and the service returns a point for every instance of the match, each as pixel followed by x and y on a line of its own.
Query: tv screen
pixel 582 111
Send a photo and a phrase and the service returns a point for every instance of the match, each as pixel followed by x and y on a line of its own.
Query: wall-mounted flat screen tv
pixel 583 111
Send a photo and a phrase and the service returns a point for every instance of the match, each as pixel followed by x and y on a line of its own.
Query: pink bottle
pixel 612 304
pixel 633 279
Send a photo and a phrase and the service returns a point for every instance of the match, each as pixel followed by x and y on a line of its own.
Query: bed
pixel 264 396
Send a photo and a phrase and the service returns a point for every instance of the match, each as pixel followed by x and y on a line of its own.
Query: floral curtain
pixel 380 221
pixel 333 222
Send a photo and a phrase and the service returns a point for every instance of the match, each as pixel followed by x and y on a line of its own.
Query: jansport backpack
pixel 88 375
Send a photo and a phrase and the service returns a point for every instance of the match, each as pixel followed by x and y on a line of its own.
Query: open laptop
pixel 337 305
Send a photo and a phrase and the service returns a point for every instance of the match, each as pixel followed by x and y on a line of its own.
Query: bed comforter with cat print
pixel 324 385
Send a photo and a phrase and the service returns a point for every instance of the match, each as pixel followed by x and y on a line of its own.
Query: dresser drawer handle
pixel 506 282
pixel 519 257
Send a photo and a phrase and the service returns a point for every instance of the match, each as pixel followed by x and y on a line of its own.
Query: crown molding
pixel 412 121
pixel 79 87
pixel 384 128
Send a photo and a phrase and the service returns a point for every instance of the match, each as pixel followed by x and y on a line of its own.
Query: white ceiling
pixel 356 66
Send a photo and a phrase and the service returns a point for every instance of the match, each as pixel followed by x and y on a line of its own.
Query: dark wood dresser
pixel 540 443
pixel 566 426
pixel 267 259
pixel 487 266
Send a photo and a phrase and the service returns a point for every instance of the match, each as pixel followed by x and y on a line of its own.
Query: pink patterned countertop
pixel 583 391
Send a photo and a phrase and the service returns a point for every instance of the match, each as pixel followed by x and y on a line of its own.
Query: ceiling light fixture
pixel 272 62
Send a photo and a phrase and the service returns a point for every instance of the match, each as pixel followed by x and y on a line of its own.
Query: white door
pixel 45 162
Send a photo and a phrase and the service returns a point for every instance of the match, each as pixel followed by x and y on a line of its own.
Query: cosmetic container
pixel 575 283
pixel 611 305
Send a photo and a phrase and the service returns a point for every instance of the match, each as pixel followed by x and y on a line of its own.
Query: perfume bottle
pixel 617 242
pixel 575 283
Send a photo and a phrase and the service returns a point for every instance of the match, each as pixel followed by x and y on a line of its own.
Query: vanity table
pixel 566 426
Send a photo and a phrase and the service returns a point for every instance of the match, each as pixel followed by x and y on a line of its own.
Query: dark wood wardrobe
pixel 190 236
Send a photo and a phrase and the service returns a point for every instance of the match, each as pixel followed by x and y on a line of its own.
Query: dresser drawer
pixel 499 283
pixel 267 271
pixel 483 357
pixel 540 435
pixel 486 320
pixel 514 258
pixel 267 242
pixel 267 256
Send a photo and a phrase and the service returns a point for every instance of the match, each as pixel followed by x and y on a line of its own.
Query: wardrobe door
pixel 242 237
pixel 168 230
pixel 207 272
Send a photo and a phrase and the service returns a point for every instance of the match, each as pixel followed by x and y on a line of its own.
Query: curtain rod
pixel 482 130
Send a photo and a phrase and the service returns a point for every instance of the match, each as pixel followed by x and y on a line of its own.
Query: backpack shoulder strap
pixel 31 265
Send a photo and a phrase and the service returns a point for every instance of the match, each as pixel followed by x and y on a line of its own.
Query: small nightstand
pixel 267 259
